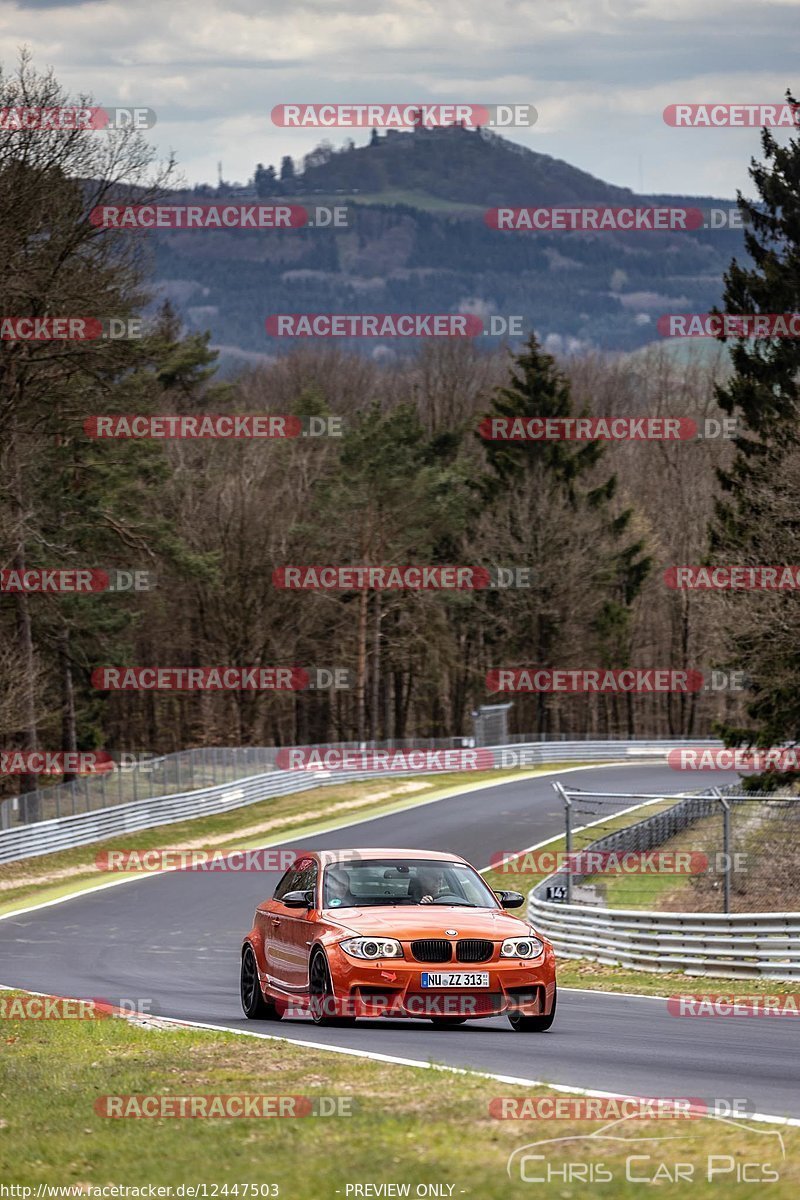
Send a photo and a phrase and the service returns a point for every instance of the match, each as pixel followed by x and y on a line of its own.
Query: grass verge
pixel 603 977
pixel 409 1126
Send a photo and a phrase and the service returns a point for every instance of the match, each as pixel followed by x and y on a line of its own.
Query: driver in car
pixel 431 882
pixel 337 889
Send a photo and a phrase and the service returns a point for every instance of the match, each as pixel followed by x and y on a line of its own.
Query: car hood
pixel 426 920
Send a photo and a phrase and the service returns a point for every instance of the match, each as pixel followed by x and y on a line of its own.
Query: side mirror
pixel 298 899
pixel 510 899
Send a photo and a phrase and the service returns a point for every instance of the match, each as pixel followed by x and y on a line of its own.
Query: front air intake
pixel 432 950
pixel 474 950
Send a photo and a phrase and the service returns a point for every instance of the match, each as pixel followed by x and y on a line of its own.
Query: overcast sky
pixel 599 72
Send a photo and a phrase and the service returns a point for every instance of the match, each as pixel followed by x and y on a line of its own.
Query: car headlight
pixel 522 947
pixel 367 947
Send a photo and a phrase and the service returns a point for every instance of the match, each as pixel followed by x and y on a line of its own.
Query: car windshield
pixel 390 881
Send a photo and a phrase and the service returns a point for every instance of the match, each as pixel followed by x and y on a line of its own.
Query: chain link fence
pixel 146 777
pixel 141 777
pixel 725 850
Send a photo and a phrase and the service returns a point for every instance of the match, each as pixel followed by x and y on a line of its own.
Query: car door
pixel 287 934
pixel 299 928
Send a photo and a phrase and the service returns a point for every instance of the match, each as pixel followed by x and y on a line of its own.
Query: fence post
pixel 567 836
pixel 726 848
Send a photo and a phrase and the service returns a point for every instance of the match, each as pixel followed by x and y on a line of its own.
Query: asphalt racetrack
pixel 175 939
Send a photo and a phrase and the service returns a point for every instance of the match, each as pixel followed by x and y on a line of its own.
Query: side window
pixel 302 877
pixel 307 877
pixel 285 884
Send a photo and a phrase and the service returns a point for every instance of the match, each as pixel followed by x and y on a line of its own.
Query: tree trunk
pixel 69 735
pixel 31 807
pixel 374 717
pixel 361 670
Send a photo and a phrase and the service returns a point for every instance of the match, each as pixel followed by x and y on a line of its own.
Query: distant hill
pixel 416 241
pixel 461 165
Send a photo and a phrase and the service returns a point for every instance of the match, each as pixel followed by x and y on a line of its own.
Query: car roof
pixel 326 857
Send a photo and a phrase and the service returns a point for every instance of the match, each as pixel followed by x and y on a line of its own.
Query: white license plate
pixel 466 979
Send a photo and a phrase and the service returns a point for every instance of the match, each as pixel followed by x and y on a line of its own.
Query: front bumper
pixel 393 988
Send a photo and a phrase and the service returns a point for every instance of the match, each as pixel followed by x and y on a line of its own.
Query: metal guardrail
pixel 141 777
pixel 739 946
pixel 733 946
pixel 65 832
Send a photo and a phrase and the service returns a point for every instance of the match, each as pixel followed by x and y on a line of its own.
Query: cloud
pixel 599 72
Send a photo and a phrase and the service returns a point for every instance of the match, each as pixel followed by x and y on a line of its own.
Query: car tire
pixel 321 994
pixel 523 1024
pixel 257 1007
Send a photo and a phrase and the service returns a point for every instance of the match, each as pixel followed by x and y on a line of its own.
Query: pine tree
pixel 566 474
pixel 756 517
pixel 764 390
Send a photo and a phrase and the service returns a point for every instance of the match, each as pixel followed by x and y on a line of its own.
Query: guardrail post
pixel 567 836
pixel 726 849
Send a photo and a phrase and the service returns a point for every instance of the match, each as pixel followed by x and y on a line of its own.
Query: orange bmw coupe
pixel 394 933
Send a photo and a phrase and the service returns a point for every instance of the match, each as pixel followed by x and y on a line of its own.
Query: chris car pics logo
pixel 631 1151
